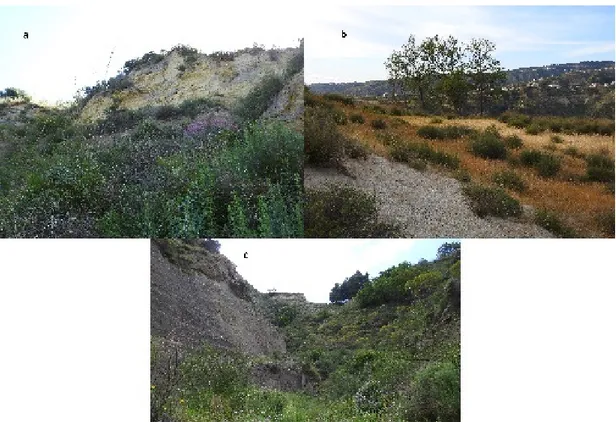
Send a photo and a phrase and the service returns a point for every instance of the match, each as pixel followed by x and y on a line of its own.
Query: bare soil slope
pixel 198 297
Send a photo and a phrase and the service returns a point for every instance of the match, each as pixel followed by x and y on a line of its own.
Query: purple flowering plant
pixel 210 125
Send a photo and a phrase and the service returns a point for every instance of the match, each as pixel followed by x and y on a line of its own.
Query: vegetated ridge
pixel 178 144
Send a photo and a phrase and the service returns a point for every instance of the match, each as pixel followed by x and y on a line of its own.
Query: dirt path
pixel 425 204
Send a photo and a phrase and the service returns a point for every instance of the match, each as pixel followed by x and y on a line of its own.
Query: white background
pixel 537 330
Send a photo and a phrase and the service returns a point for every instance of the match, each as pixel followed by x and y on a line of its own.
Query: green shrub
pixel 195 106
pixel 445 132
pixel 296 64
pixel 259 98
pixel 518 120
pixel 534 129
pixel 118 120
pixel 396 112
pixel 492 201
pixel 606 221
pixel 357 118
pixel 339 117
pixel 510 180
pixel 463 175
pixel 375 109
pixel 548 165
pixel 165 112
pixel 513 142
pixel 435 394
pixel 488 145
pixel 324 144
pixel 431 132
pixel 530 157
pixel 557 139
pixel 573 152
pixel 552 223
pixel 342 212
pixel 147 59
pixel 378 124
pixel 339 98
pixel 355 149
pixel 599 168
pixel 408 152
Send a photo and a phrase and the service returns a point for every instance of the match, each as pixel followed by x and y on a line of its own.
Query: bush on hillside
pixel 260 98
pixel 341 212
pixel 324 144
pixel 492 201
pixel 378 124
pixel 489 147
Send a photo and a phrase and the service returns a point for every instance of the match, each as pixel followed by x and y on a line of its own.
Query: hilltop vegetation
pixel 391 353
pixel 202 167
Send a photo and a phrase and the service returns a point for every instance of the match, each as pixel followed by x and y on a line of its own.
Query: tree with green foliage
pixel 408 67
pixel 448 249
pixel 349 287
pixel 484 70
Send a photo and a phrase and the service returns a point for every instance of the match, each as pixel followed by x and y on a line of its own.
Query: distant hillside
pixel 571 89
pixel 527 74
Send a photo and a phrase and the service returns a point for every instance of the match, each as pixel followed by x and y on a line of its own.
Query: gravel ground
pixel 425 204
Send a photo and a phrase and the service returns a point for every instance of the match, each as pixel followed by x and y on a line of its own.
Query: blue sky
pixel 524 35
pixel 69 47
pixel 313 266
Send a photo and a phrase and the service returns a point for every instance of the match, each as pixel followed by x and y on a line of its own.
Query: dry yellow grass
pixel 580 205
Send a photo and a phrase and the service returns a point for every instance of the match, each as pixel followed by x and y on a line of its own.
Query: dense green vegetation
pixel 190 170
pixel 390 354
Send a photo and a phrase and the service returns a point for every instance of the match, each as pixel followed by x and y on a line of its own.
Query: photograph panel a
pixel 173 124
pixel 463 121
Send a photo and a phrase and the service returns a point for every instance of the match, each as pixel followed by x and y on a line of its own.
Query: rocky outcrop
pixel 198 297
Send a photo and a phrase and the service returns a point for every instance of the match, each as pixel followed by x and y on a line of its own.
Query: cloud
pixel 596 48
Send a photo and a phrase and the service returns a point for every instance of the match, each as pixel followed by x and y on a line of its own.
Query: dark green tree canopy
pixel 448 249
pixel 443 71
pixel 349 287
pixel 211 245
